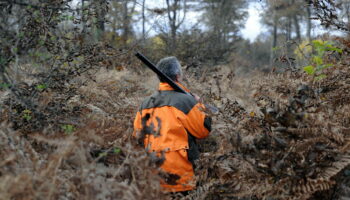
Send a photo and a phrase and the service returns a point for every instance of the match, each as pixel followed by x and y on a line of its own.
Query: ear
pixel 178 78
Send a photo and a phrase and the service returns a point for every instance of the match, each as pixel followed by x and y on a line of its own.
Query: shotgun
pixel 175 86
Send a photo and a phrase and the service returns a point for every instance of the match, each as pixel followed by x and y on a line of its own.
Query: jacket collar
pixel 166 86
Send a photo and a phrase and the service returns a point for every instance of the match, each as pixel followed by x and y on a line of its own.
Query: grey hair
pixel 170 66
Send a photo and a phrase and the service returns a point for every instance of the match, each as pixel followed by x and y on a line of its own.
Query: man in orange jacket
pixel 177 119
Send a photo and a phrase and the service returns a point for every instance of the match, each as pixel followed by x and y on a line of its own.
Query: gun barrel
pixel 175 86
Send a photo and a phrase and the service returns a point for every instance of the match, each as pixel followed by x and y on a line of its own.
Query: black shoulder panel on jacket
pixel 181 101
pixel 207 123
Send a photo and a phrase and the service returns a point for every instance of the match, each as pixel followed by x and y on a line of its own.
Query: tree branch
pixel 15 2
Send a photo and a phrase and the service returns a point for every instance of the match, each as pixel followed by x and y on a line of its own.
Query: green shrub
pixel 317 62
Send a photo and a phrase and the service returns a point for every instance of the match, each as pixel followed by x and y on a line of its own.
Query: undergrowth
pixel 277 136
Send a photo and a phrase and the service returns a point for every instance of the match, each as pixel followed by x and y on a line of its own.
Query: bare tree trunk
pixel 172 14
pixel 289 29
pixel 297 27
pixel 143 20
pixel 83 20
pixel 174 21
pixel 308 27
pixel 101 13
pixel 289 34
pixel 296 23
pixel 347 11
pixel 127 13
pixel 114 27
pixel 274 39
pixel 125 22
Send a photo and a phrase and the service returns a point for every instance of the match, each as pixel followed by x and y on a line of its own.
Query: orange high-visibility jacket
pixel 177 115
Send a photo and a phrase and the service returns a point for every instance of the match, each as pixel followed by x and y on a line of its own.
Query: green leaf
pixel 36 13
pixel 41 86
pixel 37 54
pixel 4 85
pixel 338 50
pixel 309 69
pixel 103 154
pixel 317 60
pixel 275 48
pixel 68 128
pixel 27 117
pixel 321 67
pixel 41 42
pixel 116 150
pixel 319 47
pixel 318 43
pixel 47 56
pixel 21 34
pixel 2 60
pixel 332 48
pixel 26 111
pixel 320 77
pixel 27 114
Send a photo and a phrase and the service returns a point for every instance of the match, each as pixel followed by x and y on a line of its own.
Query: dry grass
pixel 61 165
pixel 287 140
pixel 279 136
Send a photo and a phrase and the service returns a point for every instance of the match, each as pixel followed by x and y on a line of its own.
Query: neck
pixel 176 81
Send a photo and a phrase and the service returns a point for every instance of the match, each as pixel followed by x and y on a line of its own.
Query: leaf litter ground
pixel 277 136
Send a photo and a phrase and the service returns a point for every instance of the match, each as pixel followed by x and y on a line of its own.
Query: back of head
pixel 171 67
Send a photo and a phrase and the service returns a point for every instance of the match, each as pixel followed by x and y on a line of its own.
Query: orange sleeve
pixel 137 123
pixel 195 120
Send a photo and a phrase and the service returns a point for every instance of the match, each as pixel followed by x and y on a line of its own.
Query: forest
pixel 70 87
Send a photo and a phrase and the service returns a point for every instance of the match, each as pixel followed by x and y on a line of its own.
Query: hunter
pixel 181 120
